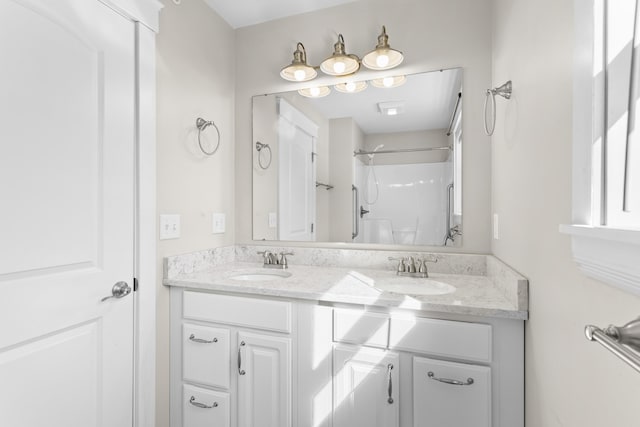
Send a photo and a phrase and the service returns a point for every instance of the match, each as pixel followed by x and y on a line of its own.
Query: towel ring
pixel 260 146
pixel 505 92
pixel 202 124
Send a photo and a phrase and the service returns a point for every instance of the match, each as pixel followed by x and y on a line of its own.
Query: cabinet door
pixel 264 380
pixel 448 394
pixel 365 382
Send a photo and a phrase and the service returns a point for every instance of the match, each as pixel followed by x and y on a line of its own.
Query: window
pixel 606 152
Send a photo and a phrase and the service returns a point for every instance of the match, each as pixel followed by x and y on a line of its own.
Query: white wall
pixel 195 79
pixel 569 381
pixel 433 34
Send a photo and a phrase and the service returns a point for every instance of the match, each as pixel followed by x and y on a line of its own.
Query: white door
pixel 365 382
pixel 296 175
pixel 67 197
pixel 264 381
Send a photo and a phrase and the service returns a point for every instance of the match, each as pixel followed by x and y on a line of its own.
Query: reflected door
pixel 67 193
pixel 296 175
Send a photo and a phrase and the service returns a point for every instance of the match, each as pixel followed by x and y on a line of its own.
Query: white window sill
pixel 607 254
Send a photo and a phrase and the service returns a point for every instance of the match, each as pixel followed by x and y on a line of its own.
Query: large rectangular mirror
pixel 381 165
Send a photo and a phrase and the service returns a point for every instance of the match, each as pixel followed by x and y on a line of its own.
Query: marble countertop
pixel 474 294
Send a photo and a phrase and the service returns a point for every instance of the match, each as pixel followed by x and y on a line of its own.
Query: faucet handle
pixel 401 268
pixel 283 259
pixel 267 257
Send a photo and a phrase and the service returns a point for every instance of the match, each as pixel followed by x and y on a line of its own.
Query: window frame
pixel 602 252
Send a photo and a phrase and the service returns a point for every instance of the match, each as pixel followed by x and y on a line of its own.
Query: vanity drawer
pixel 252 312
pixel 450 394
pixel 205 355
pixel 204 408
pixel 460 340
pixel 360 327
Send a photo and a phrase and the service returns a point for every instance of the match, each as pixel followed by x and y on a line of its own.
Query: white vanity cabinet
pixel 437 372
pixel 363 384
pixel 248 361
pixel 231 361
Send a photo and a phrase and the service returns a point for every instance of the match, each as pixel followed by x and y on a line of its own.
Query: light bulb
pixel 392 111
pixel 339 67
pixel 299 75
pixel 387 81
pixel 382 60
pixel 350 87
pixel 314 91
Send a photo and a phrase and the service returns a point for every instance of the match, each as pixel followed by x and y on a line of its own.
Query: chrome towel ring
pixel 260 146
pixel 505 92
pixel 202 124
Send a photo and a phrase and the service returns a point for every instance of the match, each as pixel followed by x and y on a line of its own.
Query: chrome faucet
pixel 408 267
pixel 275 260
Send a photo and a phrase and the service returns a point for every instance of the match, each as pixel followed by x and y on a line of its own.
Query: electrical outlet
pixel 218 222
pixel 273 220
pixel 496 227
pixel 169 227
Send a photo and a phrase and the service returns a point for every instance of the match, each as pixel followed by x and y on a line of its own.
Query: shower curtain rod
pixel 400 150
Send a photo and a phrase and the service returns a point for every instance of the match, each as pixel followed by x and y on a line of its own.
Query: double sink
pixel 393 284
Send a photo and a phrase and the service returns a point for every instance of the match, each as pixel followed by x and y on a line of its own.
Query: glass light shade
pixel 298 70
pixel 351 87
pixel 383 57
pixel 340 64
pixel 389 82
pixel 315 92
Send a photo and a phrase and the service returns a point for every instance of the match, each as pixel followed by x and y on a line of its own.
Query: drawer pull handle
pixel 200 340
pixel 202 405
pixel 390 389
pixel 240 370
pixel 448 380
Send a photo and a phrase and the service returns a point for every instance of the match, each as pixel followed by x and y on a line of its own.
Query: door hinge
pixel 313 156
pixel 135 284
pixel 312 227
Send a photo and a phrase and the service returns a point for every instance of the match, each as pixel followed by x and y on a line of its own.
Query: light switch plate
pixel 219 220
pixel 496 227
pixel 273 220
pixel 169 226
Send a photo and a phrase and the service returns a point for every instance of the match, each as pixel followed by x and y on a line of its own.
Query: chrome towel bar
pixel 622 341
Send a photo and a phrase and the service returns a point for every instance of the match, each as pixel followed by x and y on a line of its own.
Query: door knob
pixel 119 290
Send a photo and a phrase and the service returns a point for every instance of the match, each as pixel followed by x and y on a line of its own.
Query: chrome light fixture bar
pixel 383 57
pixel 299 70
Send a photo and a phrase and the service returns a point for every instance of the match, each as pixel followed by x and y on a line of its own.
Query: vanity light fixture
pixel 351 87
pixel 340 63
pixel 299 70
pixel 389 82
pixel 315 92
pixel 382 57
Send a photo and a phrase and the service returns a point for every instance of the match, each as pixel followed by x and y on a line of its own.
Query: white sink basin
pixel 417 287
pixel 260 276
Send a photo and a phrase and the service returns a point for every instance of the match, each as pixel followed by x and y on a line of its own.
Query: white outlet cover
pixel 273 220
pixel 219 220
pixel 496 227
pixel 169 226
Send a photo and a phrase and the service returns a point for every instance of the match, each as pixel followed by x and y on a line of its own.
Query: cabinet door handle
pixel 202 405
pixel 448 380
pixel 240 370
pixel 390 389
pixel 200 340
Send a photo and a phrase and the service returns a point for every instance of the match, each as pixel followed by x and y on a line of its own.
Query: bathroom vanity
pixel 336 345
